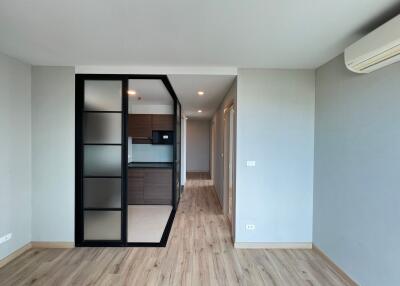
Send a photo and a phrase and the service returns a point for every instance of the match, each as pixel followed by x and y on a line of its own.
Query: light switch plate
pixel 251 163
pixel 250 227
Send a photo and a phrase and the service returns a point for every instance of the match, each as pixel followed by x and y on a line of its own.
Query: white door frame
pixel 225 160
pixel 213 144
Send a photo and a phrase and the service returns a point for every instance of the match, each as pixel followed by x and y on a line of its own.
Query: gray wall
pixel 357 164
pixel 275 127
pixel 15 153
pixel 183 149
pixel 53 155
pixel 198 145
pixel 218 121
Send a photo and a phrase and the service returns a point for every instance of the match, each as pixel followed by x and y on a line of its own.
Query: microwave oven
pixel 163 137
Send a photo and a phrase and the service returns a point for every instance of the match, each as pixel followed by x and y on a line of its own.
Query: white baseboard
pixel 52 244
pixel 35 244
pixel 274 245
pixel 15 254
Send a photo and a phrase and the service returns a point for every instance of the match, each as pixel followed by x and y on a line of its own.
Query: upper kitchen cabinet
pixel 140 126
pixel 162 122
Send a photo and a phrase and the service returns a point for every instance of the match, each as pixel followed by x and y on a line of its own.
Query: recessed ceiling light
pixel 200 92
pixel 199 111
pixel 131 92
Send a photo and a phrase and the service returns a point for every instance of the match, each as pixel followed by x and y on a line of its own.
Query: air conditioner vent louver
pixel 376 50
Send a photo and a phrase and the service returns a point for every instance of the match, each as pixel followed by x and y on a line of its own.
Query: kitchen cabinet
pixel 150 186
pixel 158 186
pixel 141 126
pixel 162 122
pixel 135 186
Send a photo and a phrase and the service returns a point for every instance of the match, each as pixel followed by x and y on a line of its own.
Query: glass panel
pixel 102 192
pixel 102 128
pixel 102 161
pixel 103 95
pixel 102 225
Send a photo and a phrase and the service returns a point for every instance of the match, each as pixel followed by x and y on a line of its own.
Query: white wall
pixel 357 165
pixel 198 145
pixel 218 121
pixel 53 155
pixel 275 128
pixel 183 149
pixel 15 153
pixel 151 109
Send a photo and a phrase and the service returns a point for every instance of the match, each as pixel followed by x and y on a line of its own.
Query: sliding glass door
pixel 100 135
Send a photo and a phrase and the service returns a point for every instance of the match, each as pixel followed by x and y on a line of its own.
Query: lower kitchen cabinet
pixel 135 190
pixel 150 186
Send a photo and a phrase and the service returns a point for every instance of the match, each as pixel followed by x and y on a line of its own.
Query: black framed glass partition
pixel 102 159
pixel 177 185
pixel 99 160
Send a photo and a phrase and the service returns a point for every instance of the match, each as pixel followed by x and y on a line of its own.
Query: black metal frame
pixel 79 144
pixel 177 103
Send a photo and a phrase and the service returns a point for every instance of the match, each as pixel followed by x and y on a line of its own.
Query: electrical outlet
pixel 5 238
pixel 251 163
pixel 250 226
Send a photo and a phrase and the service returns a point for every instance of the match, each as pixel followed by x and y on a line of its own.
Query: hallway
pixel 199 252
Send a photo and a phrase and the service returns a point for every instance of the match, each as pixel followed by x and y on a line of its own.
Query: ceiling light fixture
pixel 131 92
pixel 199 111
pixel 200 92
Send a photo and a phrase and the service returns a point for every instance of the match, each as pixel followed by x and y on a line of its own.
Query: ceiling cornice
pixel 192 70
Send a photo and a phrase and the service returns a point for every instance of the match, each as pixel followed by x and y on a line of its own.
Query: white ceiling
pixel 152 92
pixel 215 87
pixel 238 33
pixel 149 92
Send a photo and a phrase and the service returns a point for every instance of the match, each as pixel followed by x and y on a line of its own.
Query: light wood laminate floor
pixel 199 252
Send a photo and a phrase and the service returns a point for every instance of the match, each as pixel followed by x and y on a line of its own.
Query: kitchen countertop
pixel 150 165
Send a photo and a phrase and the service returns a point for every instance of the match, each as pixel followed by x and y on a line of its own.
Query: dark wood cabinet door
pixel 140 126
pixel 162 122
pixel 135 186
pixel 135 191
pixel 149 186
pixel 158 186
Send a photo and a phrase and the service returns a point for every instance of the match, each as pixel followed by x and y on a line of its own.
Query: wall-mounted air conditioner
pixel 379 48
